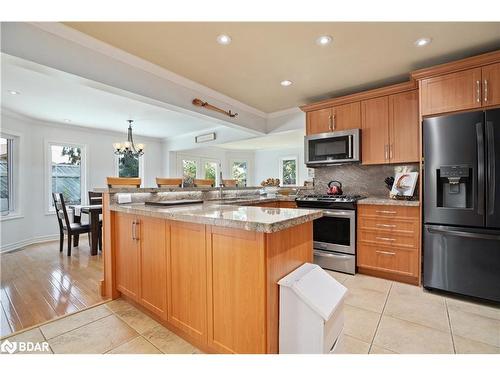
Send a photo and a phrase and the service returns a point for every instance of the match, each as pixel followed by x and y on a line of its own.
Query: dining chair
pixel 95 198
pixel 72 229
pixel 230 183
pixel 198 182
pixel 123 182
pixel 168 182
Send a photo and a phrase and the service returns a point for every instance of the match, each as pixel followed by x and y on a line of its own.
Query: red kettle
pixel 334 188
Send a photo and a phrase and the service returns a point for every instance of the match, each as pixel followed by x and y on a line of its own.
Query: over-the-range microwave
pixel 332 148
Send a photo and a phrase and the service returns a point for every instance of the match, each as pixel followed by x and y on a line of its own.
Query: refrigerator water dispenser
pixel 454 188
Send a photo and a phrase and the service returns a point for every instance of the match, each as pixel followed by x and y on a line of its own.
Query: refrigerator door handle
pixel 480 168
pixel 490 136
pixel 460 233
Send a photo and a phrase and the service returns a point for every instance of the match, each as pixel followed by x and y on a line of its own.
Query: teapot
pixel 334 188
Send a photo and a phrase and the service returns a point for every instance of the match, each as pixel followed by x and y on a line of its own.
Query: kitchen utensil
pixel 334 188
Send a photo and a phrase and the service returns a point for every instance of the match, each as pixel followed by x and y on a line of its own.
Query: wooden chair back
pixel 166 182
pixel 61 212
pixel 95 198
pixel 123 182
pixel 198 182
pixel 230 183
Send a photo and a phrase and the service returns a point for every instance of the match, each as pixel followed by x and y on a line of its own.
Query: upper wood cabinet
pixel 375 130
pixel 390 129
pixel 403 127
pixel 153 265
pixel 451 92
pixel 341 117
pixel 491 84
pixel 127 234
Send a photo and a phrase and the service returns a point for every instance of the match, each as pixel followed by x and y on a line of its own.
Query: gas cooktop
pixel 328 201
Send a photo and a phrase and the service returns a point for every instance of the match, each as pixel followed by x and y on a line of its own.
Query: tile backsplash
pixel 367 180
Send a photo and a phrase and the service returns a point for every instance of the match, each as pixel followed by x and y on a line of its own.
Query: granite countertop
pixel 387 202
pixel 258 219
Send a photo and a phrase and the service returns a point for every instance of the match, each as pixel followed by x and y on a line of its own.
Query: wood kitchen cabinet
pixel 341 117
pixel 154 234
pixel 375 130
pixel 403 127
pixel 126 231
pixel 187 279
pixel 388 242
pixel 491 84
pixel 390 129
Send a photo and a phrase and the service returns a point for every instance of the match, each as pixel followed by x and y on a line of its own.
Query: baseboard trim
pixel 31 241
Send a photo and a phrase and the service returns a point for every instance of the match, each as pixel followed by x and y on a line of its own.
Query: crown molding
pixel 284 112
pixel 99 46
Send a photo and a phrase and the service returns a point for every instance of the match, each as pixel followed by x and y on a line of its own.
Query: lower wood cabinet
pixel 214 286
pixel 187 279
pixel 388 242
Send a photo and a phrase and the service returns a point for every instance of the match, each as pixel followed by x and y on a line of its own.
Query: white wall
pixel 267 164
pixel 34 223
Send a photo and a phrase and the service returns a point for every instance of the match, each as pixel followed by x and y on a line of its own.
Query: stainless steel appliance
pixel 332 148
pixel 334 234
pixel 462 203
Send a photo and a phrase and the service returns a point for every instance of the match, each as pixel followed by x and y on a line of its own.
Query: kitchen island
pixel 207 271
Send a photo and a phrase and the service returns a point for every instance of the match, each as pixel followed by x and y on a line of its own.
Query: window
pixel 210 171
pixel 189 169
pixel 6 175
pixel 67 172
pixel 128 166
pixel 288 171
pixel 239 171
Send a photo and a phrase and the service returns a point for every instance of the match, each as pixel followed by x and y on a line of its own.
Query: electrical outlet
pixel 124 198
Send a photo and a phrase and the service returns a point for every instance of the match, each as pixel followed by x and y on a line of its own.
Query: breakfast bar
pixel 208 271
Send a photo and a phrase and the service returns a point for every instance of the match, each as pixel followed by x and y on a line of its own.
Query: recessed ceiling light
pixel 13 92
pixel 285 83
pixel 421 42
pixel 67 120
pixel 323 40
pixel 223 39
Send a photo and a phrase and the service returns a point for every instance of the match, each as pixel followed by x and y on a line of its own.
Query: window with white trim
pixel 239 171
pixel 67 172
pixel 288 171
pixel 6 174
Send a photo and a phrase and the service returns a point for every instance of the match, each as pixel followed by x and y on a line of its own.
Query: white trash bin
pixel 311 311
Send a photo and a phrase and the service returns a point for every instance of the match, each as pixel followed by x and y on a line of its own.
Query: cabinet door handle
pixel 385 239
pixel 485 90
pixel 330 126
pixel 386 153
pixel 133 230
pixel 385 252
pixel 333 122
pixel 386 225
pixel 386 212
pixel 137 222
pixel 478 91
pixel 390 151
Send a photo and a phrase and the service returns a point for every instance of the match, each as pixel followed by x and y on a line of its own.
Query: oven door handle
pixel 331 255
pixel 338 213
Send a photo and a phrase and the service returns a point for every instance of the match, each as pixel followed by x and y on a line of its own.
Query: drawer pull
pixel 386 212
pixel 385 252
pixel 385 239
pixel 386 225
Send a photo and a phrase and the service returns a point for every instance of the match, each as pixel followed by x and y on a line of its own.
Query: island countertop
pixel 219 213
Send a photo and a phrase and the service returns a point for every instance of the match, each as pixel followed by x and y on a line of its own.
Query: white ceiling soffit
pixel 54 96
pixel 284 140
pixel 62 48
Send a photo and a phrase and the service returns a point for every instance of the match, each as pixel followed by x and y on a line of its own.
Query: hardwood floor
pixel 38 283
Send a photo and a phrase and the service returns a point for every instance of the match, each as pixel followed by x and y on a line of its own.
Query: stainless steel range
pixel 335 232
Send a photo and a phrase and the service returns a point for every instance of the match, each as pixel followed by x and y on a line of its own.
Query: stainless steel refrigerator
pixel 462 203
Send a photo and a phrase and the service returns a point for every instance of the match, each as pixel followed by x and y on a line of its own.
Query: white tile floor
pixel 381 317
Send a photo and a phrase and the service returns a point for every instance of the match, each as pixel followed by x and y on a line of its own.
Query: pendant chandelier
pixel 128 148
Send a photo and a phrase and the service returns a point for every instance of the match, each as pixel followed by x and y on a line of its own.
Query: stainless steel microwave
pixel 332 148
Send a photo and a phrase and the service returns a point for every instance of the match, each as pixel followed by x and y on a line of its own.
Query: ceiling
pixel 284 140
pixel 261 55
pixel 51 95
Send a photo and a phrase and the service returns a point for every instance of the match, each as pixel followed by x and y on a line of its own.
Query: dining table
pixel 93 211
